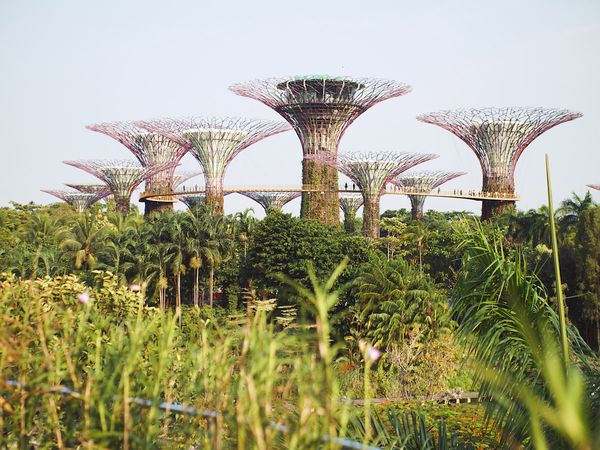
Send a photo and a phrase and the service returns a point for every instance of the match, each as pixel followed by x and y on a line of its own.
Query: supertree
pixel 151 149
pixel 350 202
pixel 78 200
pixel 372 172
pixel 320 109
pixel 214 142
pixel 423 182
pixel 121 176
pixel 192 200
pixel 181 177
pixel 271 201
pixel 594 186
pixel 89 188
pixel 498 136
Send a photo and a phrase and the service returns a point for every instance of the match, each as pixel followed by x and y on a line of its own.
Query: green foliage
pixel 511 332
pixel 587 243
pixel 253 376
pixel 284 244
pixel 394 299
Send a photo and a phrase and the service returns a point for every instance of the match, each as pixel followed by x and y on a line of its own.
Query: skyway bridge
pixel 170 196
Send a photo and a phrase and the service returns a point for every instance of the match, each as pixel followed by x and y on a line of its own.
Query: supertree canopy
pixel 423 182
pixel 594 186
pixel 271 201
pixel 498 136
pixel 151 149
pixel 214 142
pixel 78 200
pixel 192 200
pixel 350 202
pixel 90 188
pixel 181 177
pixel 121 176
pixel 371 172
pixel 320 109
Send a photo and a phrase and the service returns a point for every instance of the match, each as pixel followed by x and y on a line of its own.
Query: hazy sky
pixel 66 64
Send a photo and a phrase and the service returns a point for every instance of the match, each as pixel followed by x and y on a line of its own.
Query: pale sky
pixel 68 63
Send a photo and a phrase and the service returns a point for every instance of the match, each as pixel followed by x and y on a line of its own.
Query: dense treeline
pixel 196 258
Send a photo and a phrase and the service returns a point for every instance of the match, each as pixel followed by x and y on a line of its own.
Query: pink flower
pixel 135 287
pixel 371 353
pixel 83 298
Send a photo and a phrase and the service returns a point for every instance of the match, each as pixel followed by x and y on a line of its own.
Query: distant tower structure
pixel 271 201
pixel 350 202
pixel 121 177
pixel 425 182
pixel 320 109
pixel 214 142
pixel 181 177
pixel 372 172
pixel 192 200
pixel 498 136
pixel 90 188
pixel 594 186
pixel 78 200
pixel 151 149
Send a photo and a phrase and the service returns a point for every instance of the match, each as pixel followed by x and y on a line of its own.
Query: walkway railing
pixel 169 195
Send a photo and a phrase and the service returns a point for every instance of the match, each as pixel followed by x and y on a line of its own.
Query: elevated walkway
pixel 456 193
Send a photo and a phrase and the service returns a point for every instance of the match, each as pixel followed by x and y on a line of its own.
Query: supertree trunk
pixel 122 204
pixel 350 222
pixel 322 206
pixel 495 184
pixel 159 205
pixel 494 208
pixel 371 217
pixel 416 202
pixel 153 207
pixel 215 199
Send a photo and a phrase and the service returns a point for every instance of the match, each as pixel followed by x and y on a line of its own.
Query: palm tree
pixel 216 245
pixel 193 225
pixel 152 259
pixel 43 231
pixel 140 263
pixel 417 233
pixel 86 239
pixel 572 208
pixel 394 298
pixel 172 238
pixel 509 329
pixel 532 227
pixel 246 223
pixel 123 232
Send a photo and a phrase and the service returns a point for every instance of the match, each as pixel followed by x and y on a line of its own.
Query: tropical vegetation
pixel 194 329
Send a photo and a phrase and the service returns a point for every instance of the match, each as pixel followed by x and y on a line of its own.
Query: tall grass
pixel 265 388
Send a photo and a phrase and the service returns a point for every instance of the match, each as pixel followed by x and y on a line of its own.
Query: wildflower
pixel 83 298
pixel 371 353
